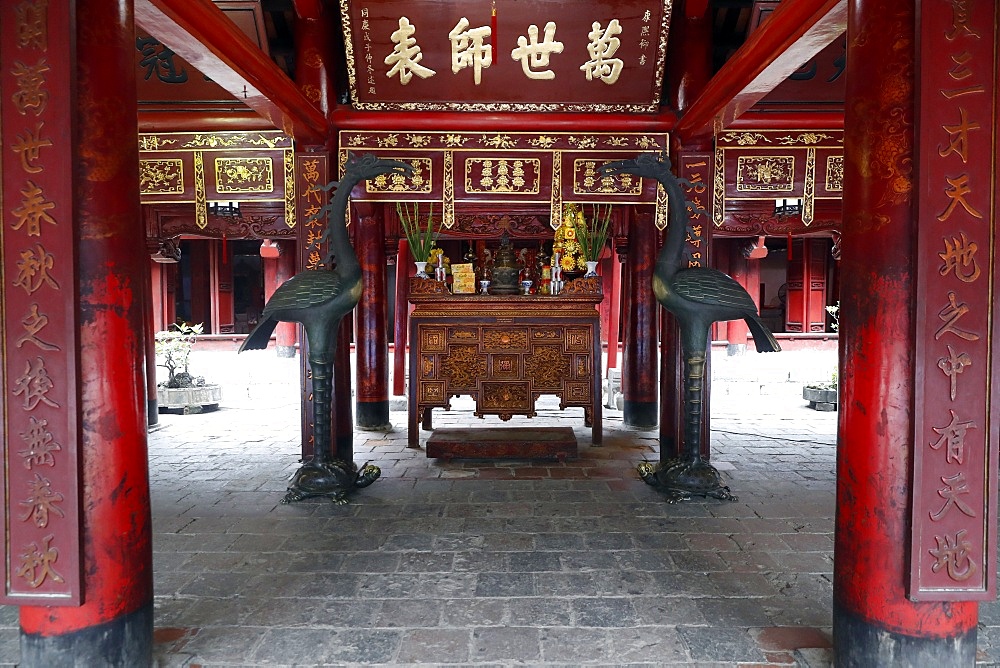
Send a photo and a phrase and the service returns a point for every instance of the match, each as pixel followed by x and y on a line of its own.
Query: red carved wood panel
pixel 806 301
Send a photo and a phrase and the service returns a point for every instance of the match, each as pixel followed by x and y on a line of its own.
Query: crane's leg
pixel 324 475
pixel 689 474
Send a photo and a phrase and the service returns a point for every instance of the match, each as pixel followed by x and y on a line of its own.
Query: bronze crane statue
pixel 319 300
pixel 697 297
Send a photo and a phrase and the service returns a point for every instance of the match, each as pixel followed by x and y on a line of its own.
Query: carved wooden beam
pixel 794 33
pixel 201 33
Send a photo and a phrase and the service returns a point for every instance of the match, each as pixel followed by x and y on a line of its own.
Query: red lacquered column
pixel 114 626
pixel 639 367
pixel 737 330
pixel 404 264
pixel 372 343
pixel 286 332
pixel 874 622
pixel 614 317
pixel 342 420
pixel 279 265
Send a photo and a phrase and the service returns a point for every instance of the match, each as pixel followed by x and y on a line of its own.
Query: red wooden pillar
pixel 404 265
pixel 747 274
pixel 371 342
pixel 342 420
pixel 694 167
pixel 170 294
pixel 315 73
pixel 286 332
pixel 279 265
pixel 114 625
pixel 639 367
pixel 152 402
pixel 874 622
pixel 614 317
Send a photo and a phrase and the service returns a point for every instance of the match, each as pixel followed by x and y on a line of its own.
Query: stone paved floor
pixel 491 563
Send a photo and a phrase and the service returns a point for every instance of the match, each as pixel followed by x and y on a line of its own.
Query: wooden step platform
pixel 503 443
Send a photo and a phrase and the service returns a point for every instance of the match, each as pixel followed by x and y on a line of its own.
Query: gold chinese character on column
pixel 960 256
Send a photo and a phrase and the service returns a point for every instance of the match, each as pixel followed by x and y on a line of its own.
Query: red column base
pixel 125 641
pixel 862 643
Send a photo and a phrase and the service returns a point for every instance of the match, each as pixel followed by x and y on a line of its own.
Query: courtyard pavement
pixel 494 563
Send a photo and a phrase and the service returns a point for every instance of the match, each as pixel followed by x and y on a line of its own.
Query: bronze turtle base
pixel 333 479
pixel 680 479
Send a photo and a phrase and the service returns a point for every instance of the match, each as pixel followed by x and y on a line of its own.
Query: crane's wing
pixel 710 286
pixel 307 288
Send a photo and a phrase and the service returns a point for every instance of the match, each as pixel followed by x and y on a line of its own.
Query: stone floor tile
pixel 505 584
pixel 727 645
pixel 435 646
pixel 506 644
pixel 538 612
pixel 409 613
pixel 325 646
pixel 660 645
pixel 603 612
pixel 575 646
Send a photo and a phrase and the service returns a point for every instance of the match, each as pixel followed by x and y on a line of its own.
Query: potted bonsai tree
pixel 182 391
pixel 823 396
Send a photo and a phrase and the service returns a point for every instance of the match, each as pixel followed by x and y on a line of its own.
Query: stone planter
pixel 820 399
pixel 189 400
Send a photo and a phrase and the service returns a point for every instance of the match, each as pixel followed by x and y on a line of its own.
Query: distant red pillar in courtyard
pixel 372 342
pixel 279 265
pixel 639 364
pixel 404 264
pixel 114 625
pixel 874 621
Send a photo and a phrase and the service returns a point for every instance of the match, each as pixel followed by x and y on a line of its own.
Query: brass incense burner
pixel 506 273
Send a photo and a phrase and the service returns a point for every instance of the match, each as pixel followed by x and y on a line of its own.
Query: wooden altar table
pixel 504 352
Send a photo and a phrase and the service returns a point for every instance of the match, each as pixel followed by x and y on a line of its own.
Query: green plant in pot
pixel 593 235
pixel 420 237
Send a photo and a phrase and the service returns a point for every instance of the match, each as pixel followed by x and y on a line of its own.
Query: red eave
pixel 199 32
pixel 793 34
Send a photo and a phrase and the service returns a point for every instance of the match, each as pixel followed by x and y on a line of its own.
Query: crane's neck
pixel 340 241
pixel 671 256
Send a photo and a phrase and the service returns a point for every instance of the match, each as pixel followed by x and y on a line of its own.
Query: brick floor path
pixel 492 563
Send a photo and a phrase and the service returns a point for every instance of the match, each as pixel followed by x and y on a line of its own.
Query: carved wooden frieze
pixel 202 168
pixel 457 169
pixel 756 167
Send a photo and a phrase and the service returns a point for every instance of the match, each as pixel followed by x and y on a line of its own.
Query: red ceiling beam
pixel 794 33
pixel 202 34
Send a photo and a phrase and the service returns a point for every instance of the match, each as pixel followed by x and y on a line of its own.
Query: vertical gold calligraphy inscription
pixel 312 197
pixel 200 204
pixel 289 158
pixel 448 215
pixel 809 187
pixel 719 192
pixel 555 208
